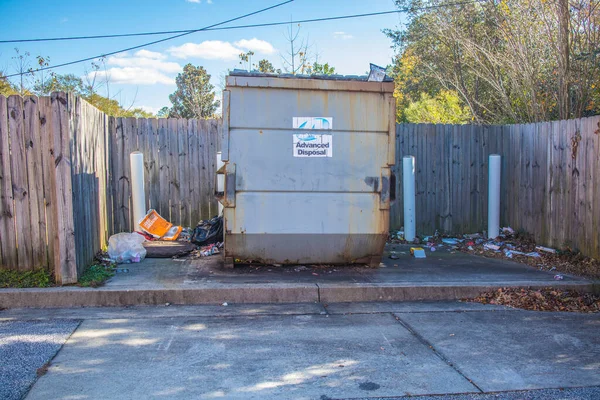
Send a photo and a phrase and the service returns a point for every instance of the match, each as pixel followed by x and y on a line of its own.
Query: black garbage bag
pixel 208 232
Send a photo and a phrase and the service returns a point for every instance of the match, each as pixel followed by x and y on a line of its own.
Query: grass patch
pixel 96 275
pixel 24 279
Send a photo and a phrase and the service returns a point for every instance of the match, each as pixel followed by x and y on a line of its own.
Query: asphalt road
pixel 25 347
pixel 445 350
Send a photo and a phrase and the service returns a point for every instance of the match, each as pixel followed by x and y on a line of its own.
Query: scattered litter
pixel 167 304
pixel 225 304
pixel 208 232
pixel 473 235
pixel 185 235
pixel 121 270
pixel 470 248
pixel 417 252
pixel 394 256
pixel 172 234
pixel 432 248
pixel 395 265
pixel 470 243
pixel 154 224
pixel 209 250
pixel 491 246
pixel 315 274
pixel 558 277
pixel 451 241
pixel 125 248
pixel 301 268
pixel 277 265
pixel 545 249
pixel 510 253
pixel 508 230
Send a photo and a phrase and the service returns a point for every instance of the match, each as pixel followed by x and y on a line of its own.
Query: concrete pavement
pixel 312 351
pixel 443 275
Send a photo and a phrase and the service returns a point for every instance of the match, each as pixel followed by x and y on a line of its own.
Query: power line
pixel 240 26
pixel 151 43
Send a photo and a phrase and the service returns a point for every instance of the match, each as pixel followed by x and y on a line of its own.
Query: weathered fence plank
pixel 8 238
pixel 35 182
pixel 65 257
pixel 175 197
pixel 204 161
pixel 20 185
pixel 163 206
pixel 49 186
pixel 183 164
pixel 194 171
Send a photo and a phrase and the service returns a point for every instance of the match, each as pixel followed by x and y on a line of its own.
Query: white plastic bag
pixel 125 248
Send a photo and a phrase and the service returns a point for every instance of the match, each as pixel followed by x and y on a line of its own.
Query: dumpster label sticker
pixel 311 145
pixel 312 123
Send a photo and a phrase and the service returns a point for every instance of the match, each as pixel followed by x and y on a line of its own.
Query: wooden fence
pixel 180 165
pixel 65 179
pixel 550 179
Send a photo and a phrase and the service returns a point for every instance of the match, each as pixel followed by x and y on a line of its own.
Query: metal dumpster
pixel 307 173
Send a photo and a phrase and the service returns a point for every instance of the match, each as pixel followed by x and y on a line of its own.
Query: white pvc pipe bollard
pixel 494 167
pixel 138 196
pixel 408 192
pixel 220 180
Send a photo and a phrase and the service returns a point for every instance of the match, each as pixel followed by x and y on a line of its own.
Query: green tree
pixel 163 112
pixel 194 97
pixel 7 88
pixel 322 69
pixel 265 66
pixel 70 83
pixel 246 58
pixel 113 108
pixel 508 61
pixel 445 108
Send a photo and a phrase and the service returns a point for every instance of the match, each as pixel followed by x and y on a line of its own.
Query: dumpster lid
pixel 245 78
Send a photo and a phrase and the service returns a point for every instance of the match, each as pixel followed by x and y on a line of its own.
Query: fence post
pixel 64 253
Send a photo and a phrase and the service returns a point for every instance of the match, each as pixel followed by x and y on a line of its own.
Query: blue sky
pixel 146 78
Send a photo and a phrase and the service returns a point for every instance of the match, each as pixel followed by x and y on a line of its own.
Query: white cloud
pixel 220 50
pixel 136 76
pixel 193 1
pixel 255 44
pixel 139 61
pixel 150 109
pixel 342 35
pixel 209 49
pixel 150 54
pixel 142 68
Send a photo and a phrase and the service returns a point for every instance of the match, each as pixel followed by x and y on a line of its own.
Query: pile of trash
pixel 511 245
pixel 124 248
pixel 548 299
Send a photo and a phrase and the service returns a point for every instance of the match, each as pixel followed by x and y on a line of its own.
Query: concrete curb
pixel 272 293
pixel 367 293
